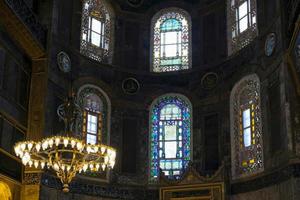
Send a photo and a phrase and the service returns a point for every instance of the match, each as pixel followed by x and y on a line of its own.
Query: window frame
pixel 103 12
pixel 186 44
pixel 156 104
pixel 246 160
pixel 236 40
pixel 99 125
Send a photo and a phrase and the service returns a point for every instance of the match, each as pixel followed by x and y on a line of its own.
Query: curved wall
pixel 211 126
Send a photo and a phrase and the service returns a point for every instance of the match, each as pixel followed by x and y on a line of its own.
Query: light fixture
pixel 66 155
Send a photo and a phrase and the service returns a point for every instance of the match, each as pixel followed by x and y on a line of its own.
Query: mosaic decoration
pixel 96 31
pixel 270 44
pixel 171 41
pixel 246 130
pixel 241 22
pixel 170 136
pixel 64 62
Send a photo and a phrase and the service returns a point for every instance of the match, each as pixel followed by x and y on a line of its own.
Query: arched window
pixel 246 128
pixel 96 114
pixel 171 40
pixel 170 135
pixel 97 30
pixel 241 21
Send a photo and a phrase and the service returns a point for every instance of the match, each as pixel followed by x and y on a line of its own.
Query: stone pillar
pixel 36 120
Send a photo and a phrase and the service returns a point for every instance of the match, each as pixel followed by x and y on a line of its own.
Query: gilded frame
pixel 215 192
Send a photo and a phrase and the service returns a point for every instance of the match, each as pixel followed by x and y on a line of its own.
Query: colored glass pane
pixel 170 136
pixel 246 135
pixel 171 25
pixel 171 41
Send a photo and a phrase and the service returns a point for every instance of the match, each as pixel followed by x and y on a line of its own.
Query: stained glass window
pixel 171 38
pixel 92 119
pixel 246 130
pixel 241 20
pixel 94 124
pixel 170 136
pixel 96 30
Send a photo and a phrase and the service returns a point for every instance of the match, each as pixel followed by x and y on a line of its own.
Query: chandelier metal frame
pixel 66 155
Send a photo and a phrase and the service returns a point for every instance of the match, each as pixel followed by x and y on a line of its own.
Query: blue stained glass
pixel 173 139
pixel 171 40
pixel 170 25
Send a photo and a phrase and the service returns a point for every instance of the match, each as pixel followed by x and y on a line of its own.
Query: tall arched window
pixel 246 128
pixel 241 22
pixel 96 114
pixel 170 135
pixel 170 40
pixel 97 30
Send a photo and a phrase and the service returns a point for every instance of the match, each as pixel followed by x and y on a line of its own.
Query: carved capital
pixel 33 178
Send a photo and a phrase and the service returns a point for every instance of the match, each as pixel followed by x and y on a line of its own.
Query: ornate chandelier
pixel 66 155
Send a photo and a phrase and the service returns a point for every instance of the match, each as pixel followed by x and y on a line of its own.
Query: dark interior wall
pixel 15 74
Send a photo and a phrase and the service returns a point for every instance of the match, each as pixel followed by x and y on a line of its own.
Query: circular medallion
pixel 130 86
pixel 64 62
pixel 135 3
pixel 270 44
pixel 209 80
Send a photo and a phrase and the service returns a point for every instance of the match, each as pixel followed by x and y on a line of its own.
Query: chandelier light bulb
pixel 30 163
pixel 102 150
pixel 112 164
pixel 36 164
pixel 23 146
pixel 57 141
pixel 79 146
pixel 42 165
pixel 29 146
pixel 88 149
pixel 50 143
pixel 66 142
pixel 55 167
pixel 73 143
pixel 38 147
pixel 85 166
pixel 91 166
pixel 45 145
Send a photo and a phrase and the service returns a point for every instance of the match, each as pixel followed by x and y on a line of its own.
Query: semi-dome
pixel 199 98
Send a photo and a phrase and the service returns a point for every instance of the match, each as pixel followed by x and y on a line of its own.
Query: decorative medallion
pixel 270 44
pixel 130 86
pixel 64 62
pixel 135 3
pixel 209 80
